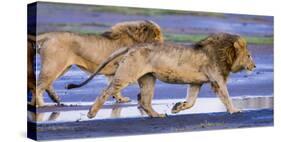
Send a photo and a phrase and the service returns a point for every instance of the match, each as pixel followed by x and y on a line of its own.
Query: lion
pixel 31 84
pixel 211 60
pixel 60 50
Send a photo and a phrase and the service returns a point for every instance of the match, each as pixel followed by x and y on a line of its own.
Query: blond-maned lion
pixel 209 61
pixel 60 50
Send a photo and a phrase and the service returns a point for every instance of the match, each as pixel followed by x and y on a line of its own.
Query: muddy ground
pixel 115 119
pixel 140 126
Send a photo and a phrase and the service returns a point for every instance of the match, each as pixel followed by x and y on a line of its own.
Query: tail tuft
pixel 72 86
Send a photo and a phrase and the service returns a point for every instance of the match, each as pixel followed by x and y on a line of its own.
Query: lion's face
pixel 136 31
pixel 150 32
pixel 244 59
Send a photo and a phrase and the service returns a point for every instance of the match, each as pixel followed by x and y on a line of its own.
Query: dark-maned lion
pixel 209 61
pixel 60 50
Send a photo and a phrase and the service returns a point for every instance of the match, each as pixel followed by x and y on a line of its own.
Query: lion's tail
pixel 100 67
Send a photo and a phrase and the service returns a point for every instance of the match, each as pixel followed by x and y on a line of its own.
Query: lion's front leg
pixel 222 92
pixel 190 99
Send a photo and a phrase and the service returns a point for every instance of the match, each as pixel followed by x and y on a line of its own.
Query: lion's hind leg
pixel 51 69
pixel 119 97
pixel 50 89
pixel 125 74
pixel 190 99
pixel 115 86
pixel 147 84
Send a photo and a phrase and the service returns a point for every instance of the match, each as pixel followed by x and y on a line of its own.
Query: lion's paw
pixel 177 107
pixel 159 115
pixel 123 100
pixel 235 110
pixel 91 115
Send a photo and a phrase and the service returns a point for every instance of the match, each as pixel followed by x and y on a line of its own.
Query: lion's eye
pixel 145 29
pixel 249 56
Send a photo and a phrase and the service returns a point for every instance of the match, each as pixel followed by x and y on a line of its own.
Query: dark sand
pixel 136 126
pixel 70 121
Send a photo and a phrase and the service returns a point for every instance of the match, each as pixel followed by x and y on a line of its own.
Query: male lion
pixel 60 50
pixel 209 61
pixel 31 84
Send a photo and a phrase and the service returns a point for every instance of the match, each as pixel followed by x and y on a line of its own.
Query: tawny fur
pixel 31 79
pixel 208 61
pixel 60 50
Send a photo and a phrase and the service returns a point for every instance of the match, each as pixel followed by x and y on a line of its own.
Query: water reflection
pixel 116 110
pixel 254 102
pixel 39 117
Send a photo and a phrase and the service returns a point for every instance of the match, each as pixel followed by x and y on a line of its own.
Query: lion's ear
pixel 111 35
pixel 153 27
pixel 236 45
pixel 240 43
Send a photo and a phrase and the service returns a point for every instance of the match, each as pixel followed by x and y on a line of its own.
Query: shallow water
pixel 78 111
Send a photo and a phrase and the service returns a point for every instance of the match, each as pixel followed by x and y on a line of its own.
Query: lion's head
pixel 244 59
pixel 229 51
pixel 136 31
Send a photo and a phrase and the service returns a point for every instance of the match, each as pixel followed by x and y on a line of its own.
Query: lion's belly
pixel 91 67
pixel 181 78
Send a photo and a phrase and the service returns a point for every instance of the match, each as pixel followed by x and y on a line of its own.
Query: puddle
pixel 254 102
pixel 78 112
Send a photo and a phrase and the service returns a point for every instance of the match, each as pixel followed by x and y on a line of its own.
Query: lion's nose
pixel 254 66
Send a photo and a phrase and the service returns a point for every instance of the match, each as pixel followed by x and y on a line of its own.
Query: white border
pixel 13 68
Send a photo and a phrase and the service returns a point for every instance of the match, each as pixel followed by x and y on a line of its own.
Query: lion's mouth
pixel 249 70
